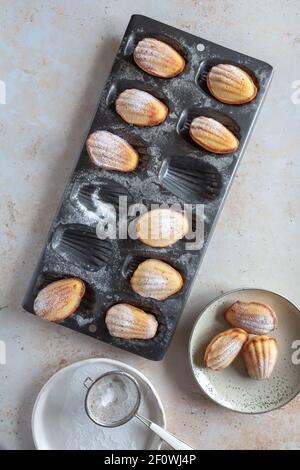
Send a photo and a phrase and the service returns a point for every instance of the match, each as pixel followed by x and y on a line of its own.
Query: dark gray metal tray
pixel 170 172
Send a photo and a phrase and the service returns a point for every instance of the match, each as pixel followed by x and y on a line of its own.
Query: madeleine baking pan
pixel 171 171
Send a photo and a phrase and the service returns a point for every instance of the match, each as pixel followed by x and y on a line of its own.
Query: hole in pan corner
pixel 92 328
pixel 200 47
pixel 207 64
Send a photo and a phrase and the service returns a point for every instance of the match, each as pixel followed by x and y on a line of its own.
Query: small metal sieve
pixel 114 399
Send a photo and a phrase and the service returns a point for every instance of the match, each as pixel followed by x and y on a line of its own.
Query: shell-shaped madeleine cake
pixel 140 108
pixel 260 355
pixel 253 317
pixel 129 322
pixel 161 227
pixel 111 152
pixel 230 84
pixel 156 279
pixel 212 135
pixel 223 348
pixel 158 58
pixel 59 300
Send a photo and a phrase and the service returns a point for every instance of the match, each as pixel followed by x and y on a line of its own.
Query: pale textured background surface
pixel 55 56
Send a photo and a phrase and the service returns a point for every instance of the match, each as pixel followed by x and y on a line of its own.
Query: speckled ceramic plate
pixel 59 420
pixel 232 388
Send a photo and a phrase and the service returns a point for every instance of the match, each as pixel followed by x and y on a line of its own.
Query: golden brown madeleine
pixel 156 279
pixel 158 58
pixel 129 322
pixel 224 348
pixel 212 135
pixel 230 84
pixel 60 299
pixel 161 227
pixel 140 108
pixel 253 317
pixel 260 355
pixel 111 152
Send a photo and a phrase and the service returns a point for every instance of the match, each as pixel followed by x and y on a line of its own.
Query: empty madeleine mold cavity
pixel 79 245
pixel 92 196
pixel 191 179
pixel 188 114
pixel 119 86
pixel 206 65
pixel 134 38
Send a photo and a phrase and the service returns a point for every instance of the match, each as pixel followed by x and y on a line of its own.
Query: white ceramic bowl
pixel 60 422
pixel 232 387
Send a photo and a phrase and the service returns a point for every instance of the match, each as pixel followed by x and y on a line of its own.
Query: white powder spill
pixel 220 162
pixel 82 321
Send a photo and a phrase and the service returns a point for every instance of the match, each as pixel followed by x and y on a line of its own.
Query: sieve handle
pixel 175 443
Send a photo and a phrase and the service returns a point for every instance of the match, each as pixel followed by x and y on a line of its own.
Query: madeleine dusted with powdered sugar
pixel 253 317
pixel 223 348
pixel 156 279
pixel 129 322
pixel 140 108
pixel 111 152
pixel 158 58
pixel 59 300
pixel 161 227
pixel 230 84
pixel 212 135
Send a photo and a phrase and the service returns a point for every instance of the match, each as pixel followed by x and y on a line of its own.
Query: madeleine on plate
pixel 223 348
pixel 260 355
pixel 253 317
